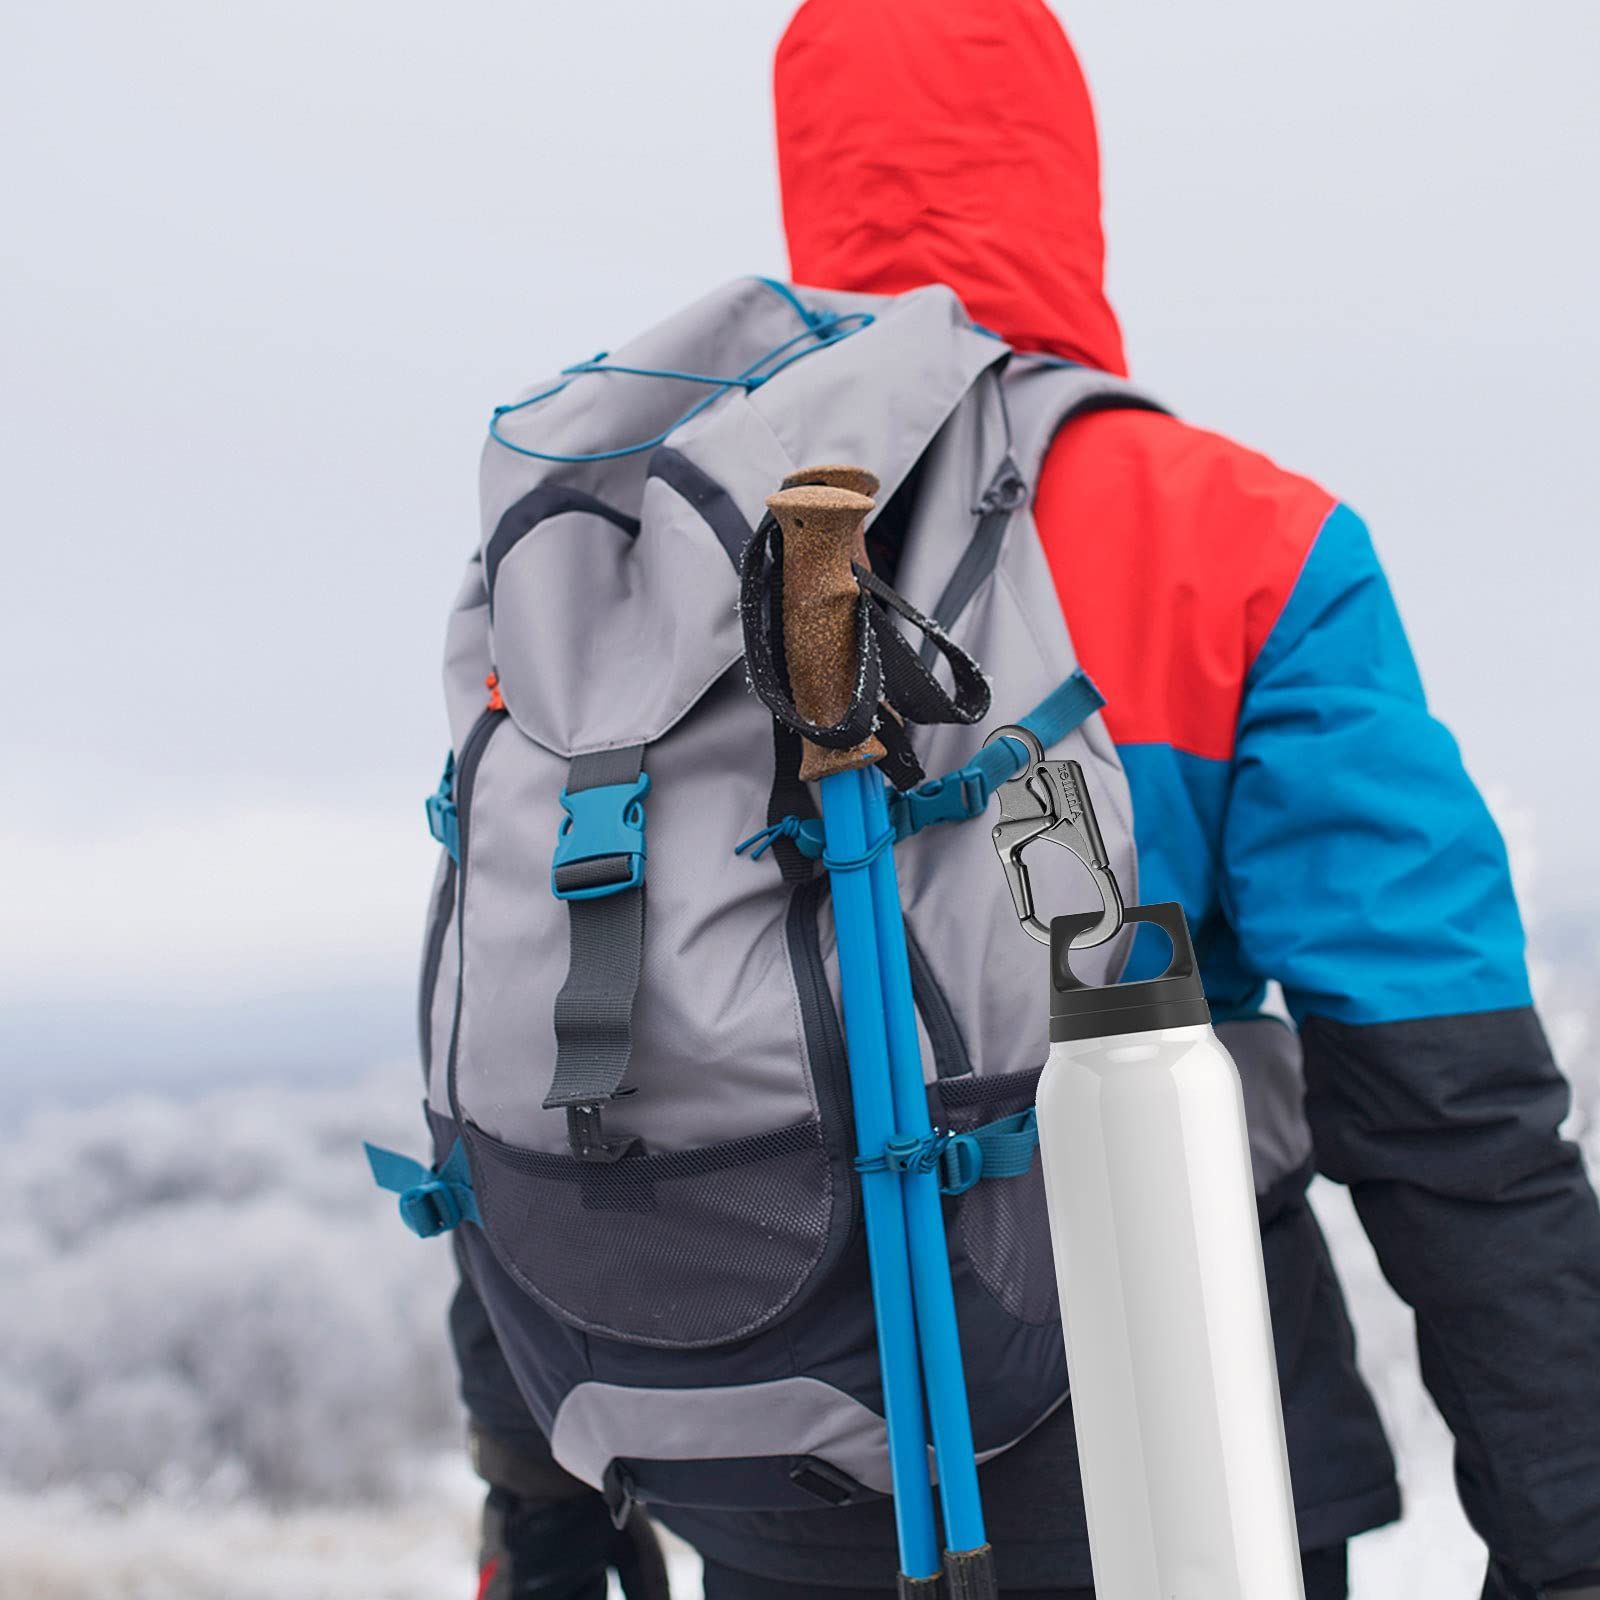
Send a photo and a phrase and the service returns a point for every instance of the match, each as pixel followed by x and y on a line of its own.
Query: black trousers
pixel 1326 1573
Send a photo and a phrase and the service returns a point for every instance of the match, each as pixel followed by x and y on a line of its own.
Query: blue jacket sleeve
pixel 1362 871
pixel 1361 867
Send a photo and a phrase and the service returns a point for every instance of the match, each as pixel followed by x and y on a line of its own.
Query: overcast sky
pixel 266 269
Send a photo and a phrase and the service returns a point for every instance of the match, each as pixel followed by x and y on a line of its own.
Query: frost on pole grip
pixel 822 533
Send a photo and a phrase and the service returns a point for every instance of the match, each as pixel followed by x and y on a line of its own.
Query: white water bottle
pixel 1163 1295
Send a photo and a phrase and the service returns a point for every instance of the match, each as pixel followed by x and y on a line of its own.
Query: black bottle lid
pixel 1081 1011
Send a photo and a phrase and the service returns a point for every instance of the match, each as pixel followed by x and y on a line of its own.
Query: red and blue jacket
pixel 1290 788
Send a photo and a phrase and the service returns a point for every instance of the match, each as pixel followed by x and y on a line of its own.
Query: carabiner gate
pixel 1050 800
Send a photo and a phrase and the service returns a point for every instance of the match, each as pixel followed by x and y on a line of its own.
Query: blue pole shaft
pixel 882 1196
pixel 930 1259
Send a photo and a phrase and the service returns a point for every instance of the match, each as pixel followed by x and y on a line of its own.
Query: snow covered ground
pixel 60 1546
pixel 223 1373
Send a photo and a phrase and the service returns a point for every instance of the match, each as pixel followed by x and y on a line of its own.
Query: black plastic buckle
pixel 824 1481
pixel 586 1135
pixel 617 1490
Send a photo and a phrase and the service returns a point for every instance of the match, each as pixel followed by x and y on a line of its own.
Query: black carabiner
pixel 1050 800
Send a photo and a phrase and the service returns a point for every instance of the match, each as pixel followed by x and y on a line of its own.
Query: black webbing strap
pixel 887 669
pixel 594 1011
pixel 788 795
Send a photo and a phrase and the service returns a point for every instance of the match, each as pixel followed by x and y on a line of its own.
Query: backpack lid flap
pixel 613 584
pixel 604 632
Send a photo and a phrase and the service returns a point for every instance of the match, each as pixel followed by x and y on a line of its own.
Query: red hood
pixel 947 141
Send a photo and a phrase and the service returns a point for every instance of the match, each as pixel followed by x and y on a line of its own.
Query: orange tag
pixel 492 684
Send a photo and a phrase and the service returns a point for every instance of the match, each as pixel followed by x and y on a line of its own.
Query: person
pixel 1290 789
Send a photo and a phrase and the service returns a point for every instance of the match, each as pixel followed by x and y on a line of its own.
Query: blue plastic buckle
pixel 960 1163
pixel 956 797
pixel 443 823
pixel 431 1208
pixel 601 825
pixel 433 1200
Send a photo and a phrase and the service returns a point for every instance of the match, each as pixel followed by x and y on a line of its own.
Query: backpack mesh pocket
pixel 678 1250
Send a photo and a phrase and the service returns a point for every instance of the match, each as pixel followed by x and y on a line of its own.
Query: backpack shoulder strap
pixel 1042 396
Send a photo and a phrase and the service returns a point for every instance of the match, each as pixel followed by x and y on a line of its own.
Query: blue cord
pixel 875 848
pixel 784 292
pixel 601 364
pixel 806 833
pixel 826 328
pixel 906 1153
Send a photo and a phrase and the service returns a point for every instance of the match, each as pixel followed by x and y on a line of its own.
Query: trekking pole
pixel 856 823
pixel 968 1560
pixel 820 600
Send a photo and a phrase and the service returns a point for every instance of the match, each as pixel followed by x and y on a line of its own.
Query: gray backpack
pixel 635 1065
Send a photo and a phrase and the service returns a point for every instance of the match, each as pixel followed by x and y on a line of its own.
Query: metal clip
pixel 1050 800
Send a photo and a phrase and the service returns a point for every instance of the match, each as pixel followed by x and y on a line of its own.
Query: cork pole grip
pixel 857 479
pixel 822 534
